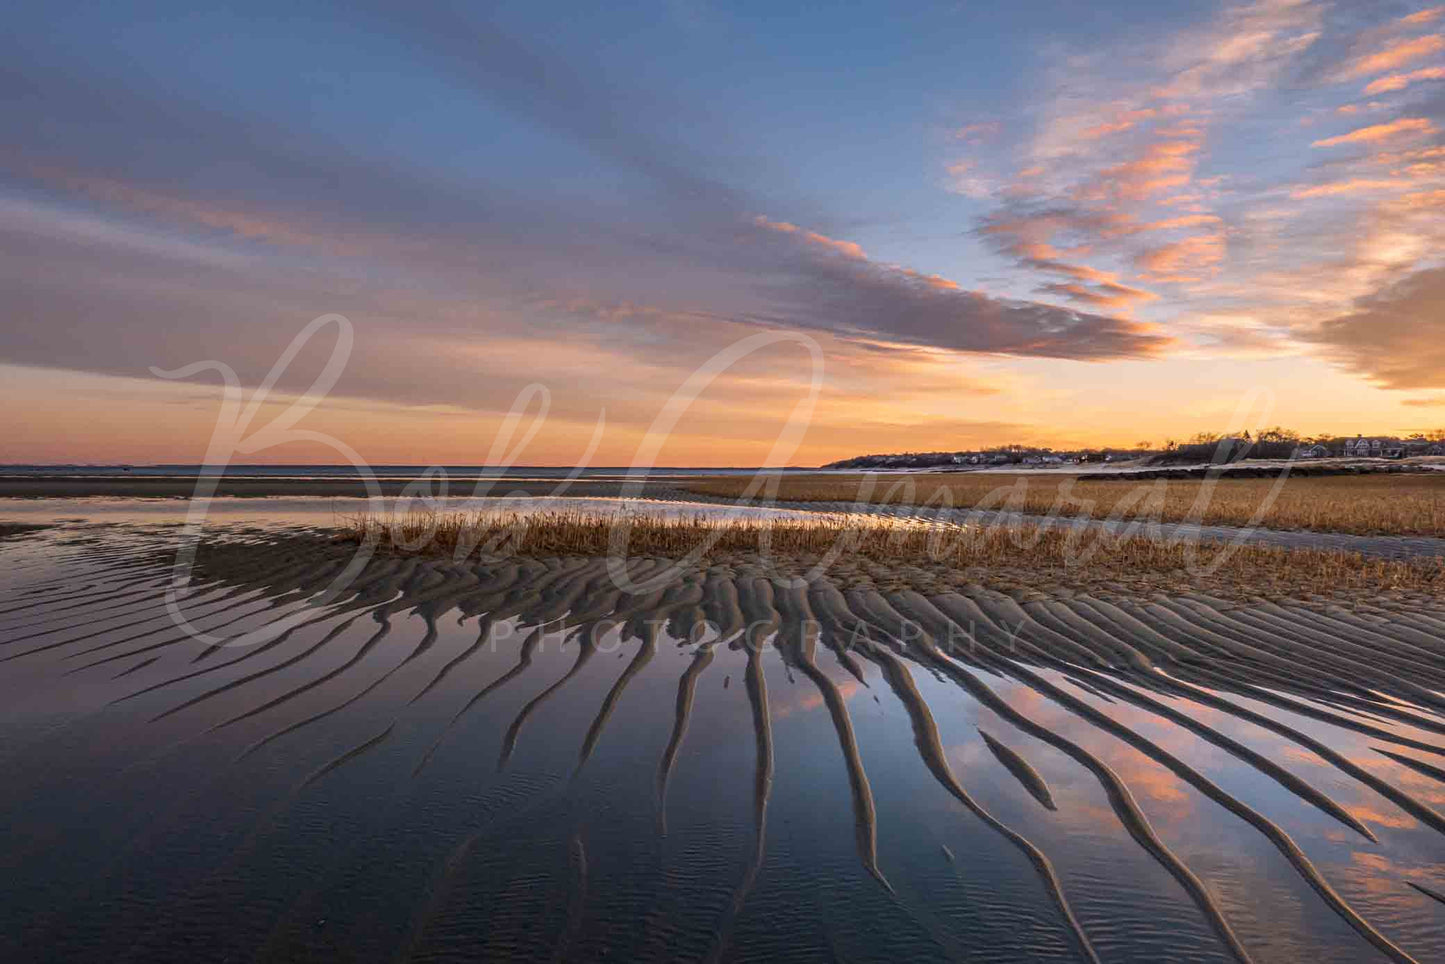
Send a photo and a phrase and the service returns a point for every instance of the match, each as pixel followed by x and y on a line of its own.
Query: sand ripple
pixel 532 763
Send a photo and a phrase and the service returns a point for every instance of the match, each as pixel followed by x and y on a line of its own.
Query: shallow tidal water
pixel 324 511
pixel 521 766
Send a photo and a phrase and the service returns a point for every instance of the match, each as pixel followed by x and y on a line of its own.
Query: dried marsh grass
pixel 845 546
pixel 1380 504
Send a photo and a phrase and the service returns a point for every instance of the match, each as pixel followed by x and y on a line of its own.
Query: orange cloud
pixel 1122 121
pixel 1107 294
pixel 1182 130
pixel 936 282
pixel 1356 185
pixel 1172 224
pixel 1401 81
pixel 1186 200
pixel 846 248
pixel 1045 257
pixel 1420 164
pixel 1424 16
pixel 1164 165
pixel 1421 171
pixel 1398 53
pixel 1425 199
pixel 1186 260
pixel 1356 108
pixel 1380 132
pixel 1080 271
pixel 1083 272
pixel 1416 154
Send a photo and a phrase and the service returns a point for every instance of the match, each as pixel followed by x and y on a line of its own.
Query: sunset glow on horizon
pixel 1037 223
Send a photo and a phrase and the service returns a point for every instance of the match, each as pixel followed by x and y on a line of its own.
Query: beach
pixel 520 754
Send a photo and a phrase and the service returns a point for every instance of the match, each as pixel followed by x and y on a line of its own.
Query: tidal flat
pixel 577 757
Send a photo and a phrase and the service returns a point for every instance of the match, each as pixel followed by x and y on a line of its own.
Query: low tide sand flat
pixel 1377 500
pixel 509 757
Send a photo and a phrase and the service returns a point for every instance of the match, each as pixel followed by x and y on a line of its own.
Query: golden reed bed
pixel 893 553
pixel 1381 504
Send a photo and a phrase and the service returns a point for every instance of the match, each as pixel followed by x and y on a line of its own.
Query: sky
pixel 946 225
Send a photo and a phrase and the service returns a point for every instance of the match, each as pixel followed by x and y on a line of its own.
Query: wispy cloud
pixel 963 178
pixel 1140 183
pixel 1400 81
pixel 846 248
pixel 1355 185
pixel 845 292
pixel 1188 260
pixel 1429 15
pixel 1379 132
pixel 1162 166
pixel 1394 55
pixel 1104 295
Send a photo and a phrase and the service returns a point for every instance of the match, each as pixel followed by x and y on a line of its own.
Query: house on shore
pixel 1377 447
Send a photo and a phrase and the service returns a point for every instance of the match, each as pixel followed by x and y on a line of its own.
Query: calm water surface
pixel 323 511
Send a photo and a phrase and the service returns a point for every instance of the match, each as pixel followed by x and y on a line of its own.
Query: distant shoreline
pixel 178 487
pixel 67 485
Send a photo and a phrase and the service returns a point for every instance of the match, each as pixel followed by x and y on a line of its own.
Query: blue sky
pixel 1032 221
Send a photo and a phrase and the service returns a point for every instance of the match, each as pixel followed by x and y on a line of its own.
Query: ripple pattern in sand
pixel 512 759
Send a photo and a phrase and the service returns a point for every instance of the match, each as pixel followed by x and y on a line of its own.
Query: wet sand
pixel 10 530
pixel 515 759
pixel 665 489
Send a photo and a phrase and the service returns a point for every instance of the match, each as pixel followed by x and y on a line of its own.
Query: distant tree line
pixel 1271 443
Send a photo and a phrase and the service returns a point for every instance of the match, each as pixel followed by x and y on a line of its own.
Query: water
pixel 504 774
pixel 458 472
pixel 325 511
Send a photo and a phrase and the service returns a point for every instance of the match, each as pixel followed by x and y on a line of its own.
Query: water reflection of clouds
pixel 1099 861
pixel 806 702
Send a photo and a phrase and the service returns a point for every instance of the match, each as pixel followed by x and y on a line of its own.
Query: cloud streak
pixel 1400 81
pixel 1394 55
pixel 1376 133
pixel 841 289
